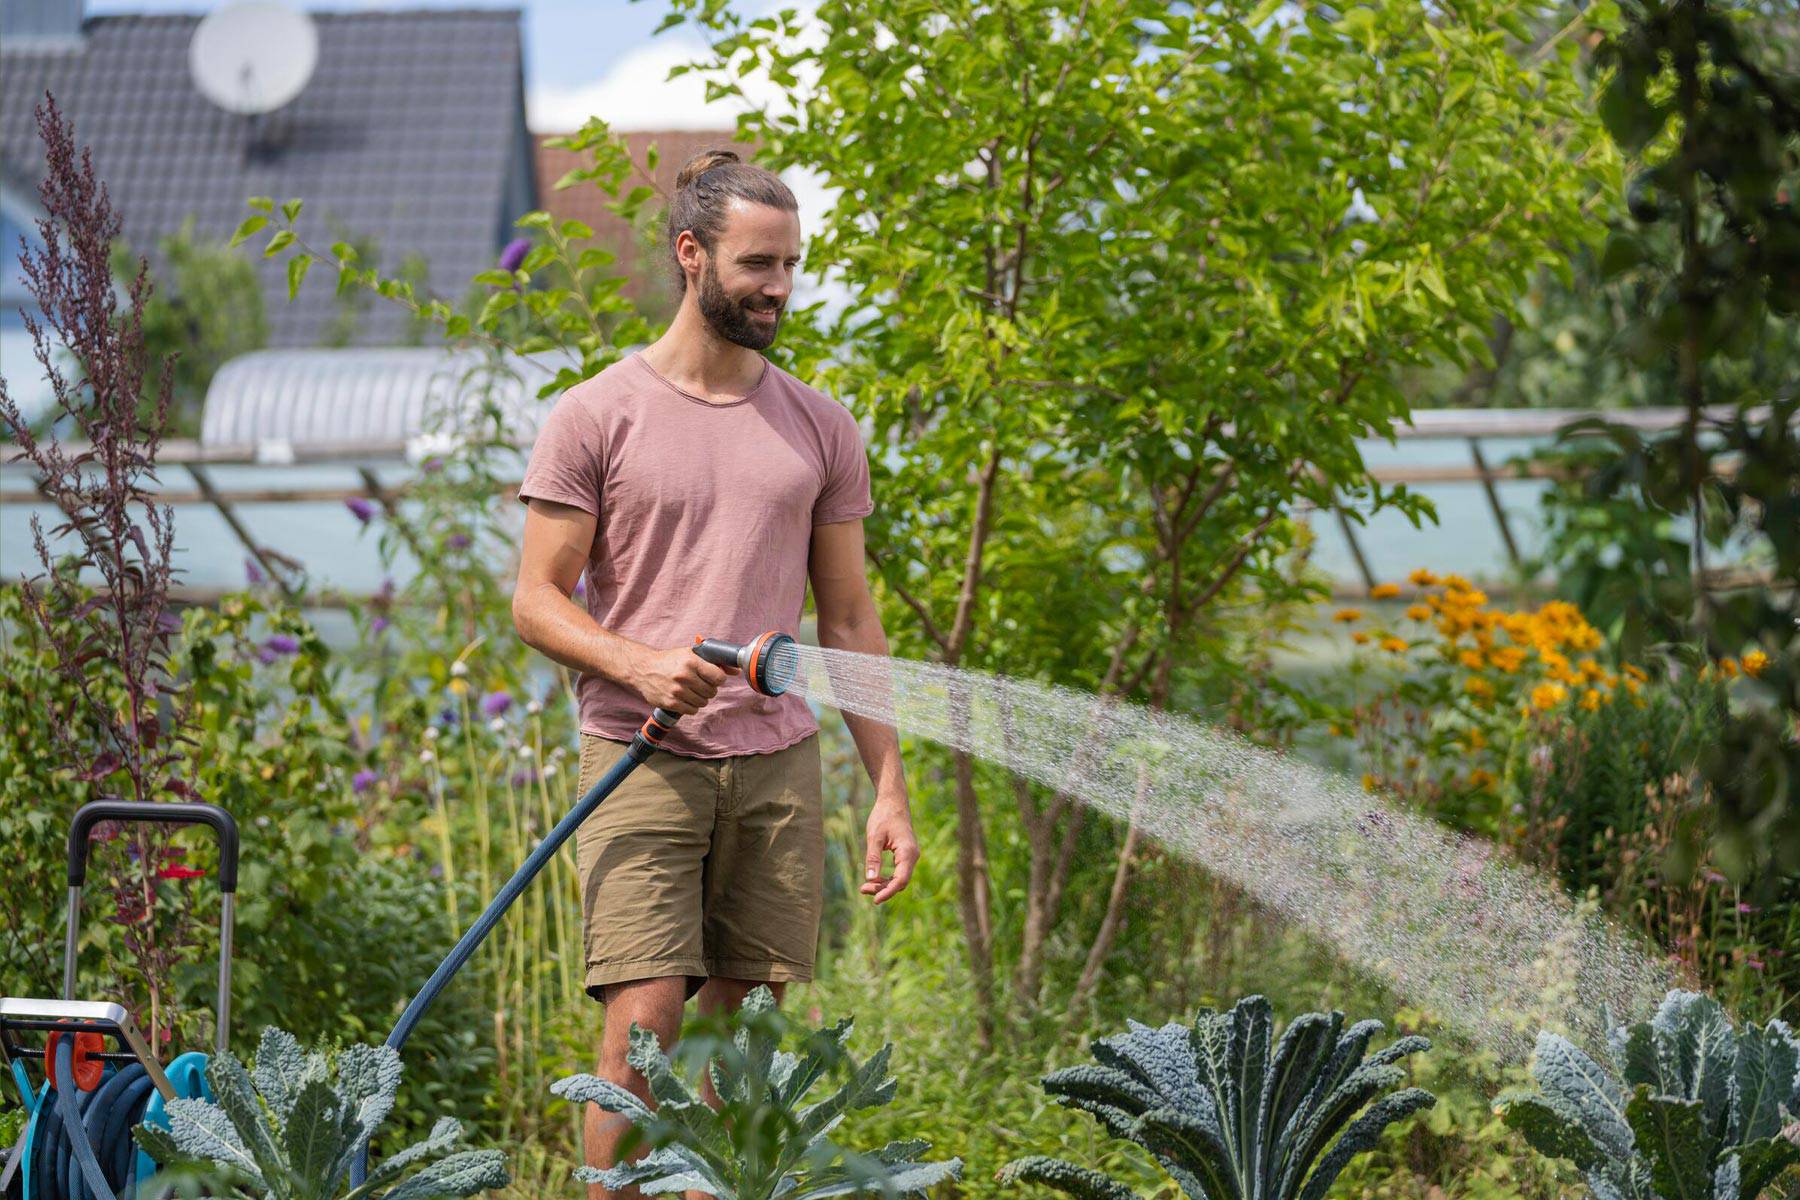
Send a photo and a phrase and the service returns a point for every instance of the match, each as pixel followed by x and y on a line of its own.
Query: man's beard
pixel 729 318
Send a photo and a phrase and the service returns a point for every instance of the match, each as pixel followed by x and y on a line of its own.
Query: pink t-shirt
pixel 705 515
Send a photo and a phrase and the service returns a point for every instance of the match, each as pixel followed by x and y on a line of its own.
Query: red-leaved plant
pixel 112 643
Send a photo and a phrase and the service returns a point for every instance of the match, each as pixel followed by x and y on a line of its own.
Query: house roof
pixel 650 282
pixel 411 134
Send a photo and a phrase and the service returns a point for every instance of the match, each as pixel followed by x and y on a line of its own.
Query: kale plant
pixel 760 1143
pixel 1225 1117
pixel 288 1131
pixel 1694 1107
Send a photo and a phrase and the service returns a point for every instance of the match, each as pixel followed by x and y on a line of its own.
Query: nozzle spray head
pixel 770 663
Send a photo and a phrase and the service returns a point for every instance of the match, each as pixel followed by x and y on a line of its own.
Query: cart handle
pixel 92 814
pixel 172 813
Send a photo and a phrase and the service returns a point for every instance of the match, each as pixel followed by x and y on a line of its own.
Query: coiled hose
pixel 82 1147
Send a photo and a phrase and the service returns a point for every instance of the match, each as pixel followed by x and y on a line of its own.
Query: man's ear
pixel 689 252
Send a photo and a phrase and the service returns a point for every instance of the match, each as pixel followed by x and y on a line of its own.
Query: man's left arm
pixel 847 620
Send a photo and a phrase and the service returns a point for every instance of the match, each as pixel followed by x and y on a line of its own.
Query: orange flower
pixel 1470 659
pixel 1729 666
pixel 1636 673
pixel 1421 578
pixel 1347 615
pixel 1419 612
pixel 1590 700
pixel 1393 645
pixel 1548 695
pixel 1475 740
pixel 1360 638
pixel 1481 780
pixel 1384 591
pixel 1475 685
pixel 1755 663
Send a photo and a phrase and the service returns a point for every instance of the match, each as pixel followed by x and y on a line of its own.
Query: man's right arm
pixel 557 540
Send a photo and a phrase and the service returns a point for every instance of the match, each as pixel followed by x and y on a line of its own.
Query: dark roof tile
pixel 404 135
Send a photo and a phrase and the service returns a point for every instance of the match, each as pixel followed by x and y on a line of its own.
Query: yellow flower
pixel 1347 615
pixel 1508 659
pixel 1475 685
pixel 1547 695
pixel 1475 740
pixel 1632 686
pixel 459 686
pixel 1368 782
pixel 1590 700
pixel 1755 663
pixel 268 771
pixel 1360 638
pixel 1636 673
pixel 1421 578
pixel 1457 583
pixel 1470 659
pixel 1393 645
pixel 1480 779
pixel 1730 667
pixel 1384 591
pixel 1419 612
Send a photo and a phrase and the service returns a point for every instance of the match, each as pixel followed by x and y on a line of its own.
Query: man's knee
pixel 655 1004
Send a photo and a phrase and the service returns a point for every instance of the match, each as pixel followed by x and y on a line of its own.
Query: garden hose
pixel 82 1147
pixel 770 664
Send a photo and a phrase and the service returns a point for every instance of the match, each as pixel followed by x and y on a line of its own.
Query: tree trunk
pixel 972 894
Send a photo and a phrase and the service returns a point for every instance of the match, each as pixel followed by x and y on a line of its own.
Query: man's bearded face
pixel 750 321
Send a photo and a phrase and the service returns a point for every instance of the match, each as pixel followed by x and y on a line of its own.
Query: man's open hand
pixel 677 680
pixel 890 832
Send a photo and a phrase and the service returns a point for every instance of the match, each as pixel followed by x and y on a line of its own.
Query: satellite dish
pixel 253 56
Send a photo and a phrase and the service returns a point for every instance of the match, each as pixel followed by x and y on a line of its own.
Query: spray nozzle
pixel 770 663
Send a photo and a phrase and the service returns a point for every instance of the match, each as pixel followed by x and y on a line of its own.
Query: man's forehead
pixel 752 229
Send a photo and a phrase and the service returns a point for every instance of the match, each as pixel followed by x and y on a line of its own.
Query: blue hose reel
pixel 99 1079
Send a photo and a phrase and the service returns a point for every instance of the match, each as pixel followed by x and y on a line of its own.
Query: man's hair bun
pixel 701 163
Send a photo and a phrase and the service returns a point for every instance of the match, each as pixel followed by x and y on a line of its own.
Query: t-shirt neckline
pixel 704 403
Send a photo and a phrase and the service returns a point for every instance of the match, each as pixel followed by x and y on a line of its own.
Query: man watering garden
pixel 696 488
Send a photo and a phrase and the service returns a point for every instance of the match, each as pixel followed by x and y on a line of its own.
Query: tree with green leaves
pixel 1126 283
pixel 1708 111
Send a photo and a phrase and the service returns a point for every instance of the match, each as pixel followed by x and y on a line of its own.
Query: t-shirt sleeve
pixel 845 496
pixel 567 460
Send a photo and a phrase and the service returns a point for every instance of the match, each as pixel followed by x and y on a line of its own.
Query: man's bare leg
pixel 655 1004
pixel 724 995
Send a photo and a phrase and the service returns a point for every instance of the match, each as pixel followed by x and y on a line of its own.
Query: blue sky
pixel 581 57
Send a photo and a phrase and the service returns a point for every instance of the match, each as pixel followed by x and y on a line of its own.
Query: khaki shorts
pixel 699 867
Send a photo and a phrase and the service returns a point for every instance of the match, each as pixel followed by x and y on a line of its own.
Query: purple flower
pixel 252 573
pixel 495 703
pixel 282 643
pixel 1715 877
pixel 378 624
pixel 266 656
pixel 448 715
pixel 1753 964
pixel 168 622
pixel 514 253
pixel 433 465
pixel 459 541
pixel 360 508
pixel 1747 909
pixel 362 780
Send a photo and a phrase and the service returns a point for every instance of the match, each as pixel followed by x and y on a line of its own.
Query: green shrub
pixel 1225 1115
pixel 289 1131
pixel 1692 1106
pixel 761 1142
